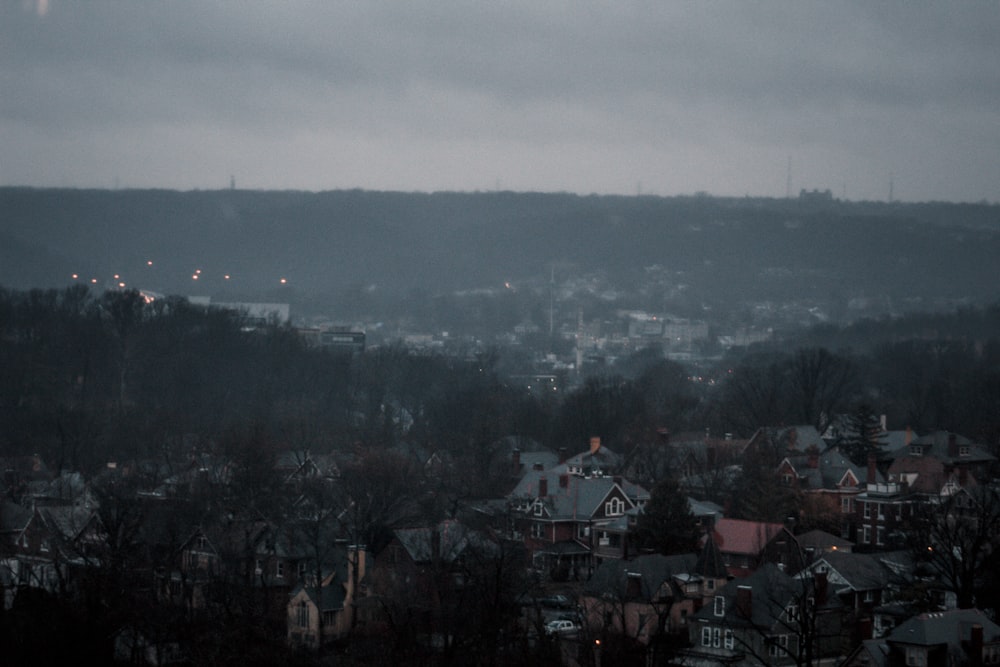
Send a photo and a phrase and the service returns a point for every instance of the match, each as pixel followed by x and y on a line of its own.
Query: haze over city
pixel 869 100
pixel 472 334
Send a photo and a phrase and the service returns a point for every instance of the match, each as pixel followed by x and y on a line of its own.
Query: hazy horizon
pixel 586 98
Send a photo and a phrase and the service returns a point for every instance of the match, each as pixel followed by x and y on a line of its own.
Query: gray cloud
pixel 565 95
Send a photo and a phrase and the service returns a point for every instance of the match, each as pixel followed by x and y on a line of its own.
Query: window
pixel 706 636
pixel 537 530
pixel 915 656
pixel 867 535
pixel 538 509
pixel 614 507
pixel 867 509
pixel 716 637
pixel 719 607
pixel 881 511
pixel 729 641
pixel 279 569
pixel 845 505
pixel 880 535
pixel 786 479
pixel 778 646
pixel 963 450
pixel 792 611
pixel 582 532
pixel 302 615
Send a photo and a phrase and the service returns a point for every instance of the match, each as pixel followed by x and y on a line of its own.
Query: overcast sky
pixel 610 97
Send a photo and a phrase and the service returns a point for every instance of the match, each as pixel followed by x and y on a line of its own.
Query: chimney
pixel 883 422
pixel 976 645
pixel 821 584
pixel 543 487
pixel 909 436
pixel 537 465
pixel 813 456
pixel 516 459
pixel 871 468
pixel 744 602
pixel 562 455
pixel 564 481
pixel 595 444
pixel 793 438
pixel 435 542
pixel 865 627
pixel 952 445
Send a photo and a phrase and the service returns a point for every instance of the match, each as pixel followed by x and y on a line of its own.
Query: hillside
pixel 720 252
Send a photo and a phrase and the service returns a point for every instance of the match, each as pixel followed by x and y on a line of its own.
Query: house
pixel 570 523
pixel 642 598
pixel 830 484
pixel 742 543
pixel 931 462
pixel 881 511
pixel 955 638
pixel 318 615
pixel 864 581
pixel 766 618
pixel 596 461
pixel 791 553
pixel 42 546
pixel 429 580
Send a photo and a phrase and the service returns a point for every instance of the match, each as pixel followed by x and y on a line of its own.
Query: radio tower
pixel 788 182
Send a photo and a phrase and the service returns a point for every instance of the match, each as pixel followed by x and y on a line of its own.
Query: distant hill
pixel 722 251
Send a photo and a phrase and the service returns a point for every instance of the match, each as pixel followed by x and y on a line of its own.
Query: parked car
pixel 561 627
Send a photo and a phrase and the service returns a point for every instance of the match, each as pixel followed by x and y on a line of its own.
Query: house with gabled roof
pixel 766 618
pixel 864 581
pixel 570 523
pixel 957 638
pixel 642 599
pixel 320 614
pixel 42 545
pixel 830 483
pixel 742 543
pixel 931 463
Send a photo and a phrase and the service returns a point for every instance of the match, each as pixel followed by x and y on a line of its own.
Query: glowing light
pixel 93 280
pixel 284 281
pixel 194 276
pixel 117 276
pixel 226 276
pixel 121 284
pixel 75 276
pixel 149 262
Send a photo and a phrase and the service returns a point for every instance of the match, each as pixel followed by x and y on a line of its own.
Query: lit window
pixel 730 642
pixel 706 636
pixel 719 607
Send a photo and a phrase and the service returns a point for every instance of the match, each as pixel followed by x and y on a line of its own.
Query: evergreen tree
pixel 666 524
pixel 863 435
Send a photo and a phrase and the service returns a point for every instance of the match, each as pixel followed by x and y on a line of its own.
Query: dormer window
pixel 916 450
pixel 963 450
pixel 719 606
pixel 614 507
pixel 538 509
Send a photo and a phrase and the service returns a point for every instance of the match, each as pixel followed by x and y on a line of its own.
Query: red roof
pixel 736 536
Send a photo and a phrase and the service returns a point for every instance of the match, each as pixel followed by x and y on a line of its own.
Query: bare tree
pixel 959 539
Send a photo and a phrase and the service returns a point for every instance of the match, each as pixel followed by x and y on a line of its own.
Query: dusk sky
pixel 664 98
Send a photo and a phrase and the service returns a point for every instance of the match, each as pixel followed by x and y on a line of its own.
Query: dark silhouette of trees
pixel 666 524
